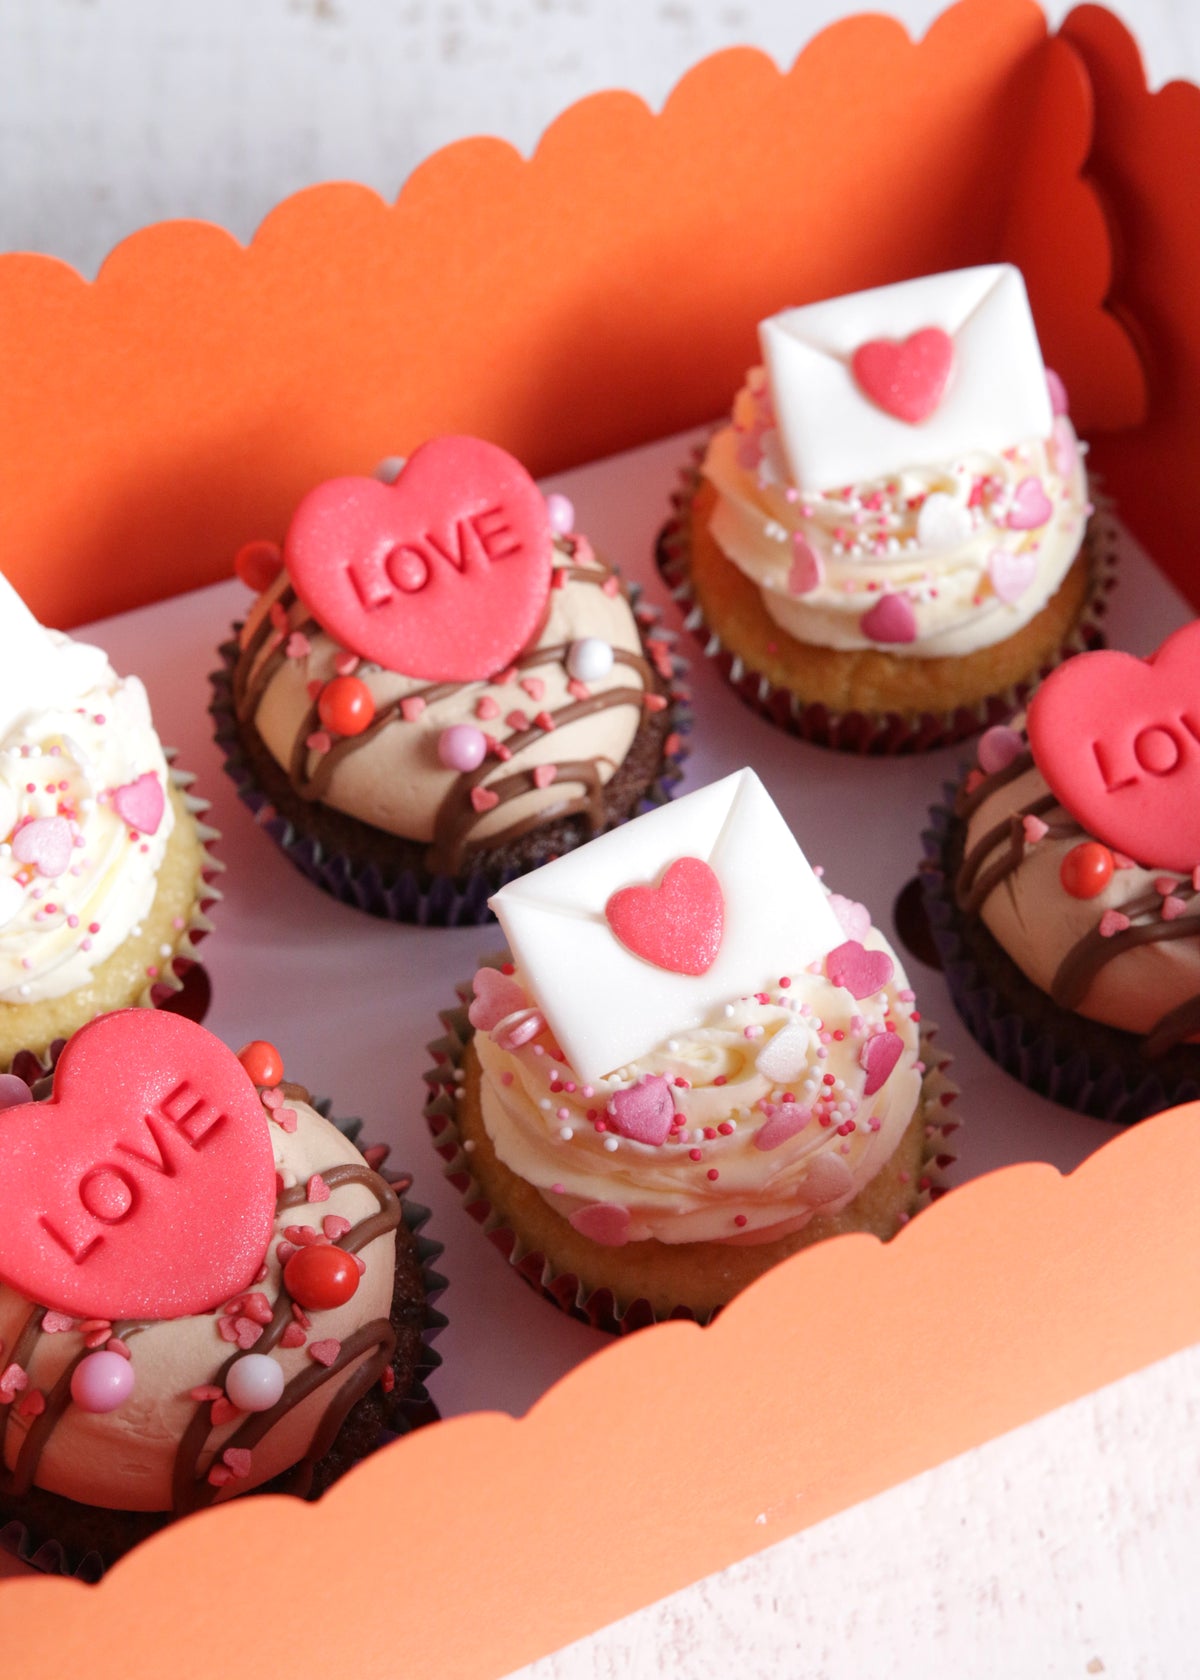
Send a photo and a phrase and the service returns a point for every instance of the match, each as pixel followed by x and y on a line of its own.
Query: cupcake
pixel 104 875
pixel 890 540
pixel 441 686
pixel 695 1062
pixel 1063 885
pixel 205 1289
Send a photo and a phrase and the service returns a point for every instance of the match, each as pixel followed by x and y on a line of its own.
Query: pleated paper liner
pixel 873 733
pixel 605 1309
pixel 35 1543
pixel 418 895
pixel 1084 1065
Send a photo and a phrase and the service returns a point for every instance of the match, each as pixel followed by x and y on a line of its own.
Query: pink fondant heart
pixel 1011 574
pixel 1118 740
pixel 879 1056
pixel 603 1222
pixel 141 803
pixel 496 995
pixel 1063 448
pixel 145 1186
pixel 676 925
pixel 828 1178
pixel 45 843
pixel 643 1112
pixel 855 918
pixel 1031 506
pixel 808 569
pixel 906 378
pixel 1058 393
pixel 443 575
pixel 782 1123
pixel 862 972
pixel 891 619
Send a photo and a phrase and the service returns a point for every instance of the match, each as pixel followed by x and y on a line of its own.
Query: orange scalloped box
pixel 600 294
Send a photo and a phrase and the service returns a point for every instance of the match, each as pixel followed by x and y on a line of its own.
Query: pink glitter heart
pixel 1011 574
pixel 46 843
pixel 644 1112
pixel 140 803
pixel 782 1123
pixel 1031 506
pixel 496 995
pixel 828 1178
pixel 879 1056
pixel 855 918
pixel 862 972
pixel 891 619
pixel 1063 449
pixel 808 570
pixel 603 1222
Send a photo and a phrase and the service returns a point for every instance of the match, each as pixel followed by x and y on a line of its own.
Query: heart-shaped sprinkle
pixel 411 707
pixel 46 843
pixel 997 748
pixel 335 1225
pixel 443 575
pixel 785 1055
pixel 483 799
pixel 782 1123
pixel 496 995
pixel 807 570
pixel 943 522
pixel 879 1056
pixel 1011 573
pixel 861 972
pixel 145 1186
pixel 298 645
pixel 238 1459
pixel 602 1222
pixel 854 918
pixel 223 1411
pixel 316 1190
pixel 141 803
pixel 644 1112
pixel 891 619
pixel 906 378
pixel 325 1352
pixel 544 775
pixel 1111 923
pixel 534 687
pixel 1034 829
pixel 828 1178
pixel 1031 506
pixel 677 925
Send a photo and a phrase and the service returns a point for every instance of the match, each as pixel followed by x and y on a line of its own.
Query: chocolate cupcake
pixel 441 686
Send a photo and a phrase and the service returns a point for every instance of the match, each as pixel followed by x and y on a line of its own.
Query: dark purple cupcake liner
pixel 1044 1060
pixel 868 733
pixel 416 896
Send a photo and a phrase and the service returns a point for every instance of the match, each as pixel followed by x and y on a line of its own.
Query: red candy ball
pixel 258 564
pixel 346 705
pixel 320 1276
pixel 1087 869
pixel 262 1062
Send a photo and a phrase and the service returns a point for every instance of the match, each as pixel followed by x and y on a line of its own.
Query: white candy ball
pixel 255 1382
pixel 590 659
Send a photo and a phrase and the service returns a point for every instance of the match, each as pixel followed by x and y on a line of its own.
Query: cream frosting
pixel 774 1125
pixel 954 541
pixel 76 877
pixel 124 1459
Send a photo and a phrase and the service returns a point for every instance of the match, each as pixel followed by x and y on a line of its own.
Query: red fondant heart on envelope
pixel 145 1186
pixel 442 575
pixel 676 925
pixel 905 378
pixel 1118 740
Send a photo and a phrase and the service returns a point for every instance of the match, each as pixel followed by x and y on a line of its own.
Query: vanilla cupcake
pixel 886 545
pixel 697 1062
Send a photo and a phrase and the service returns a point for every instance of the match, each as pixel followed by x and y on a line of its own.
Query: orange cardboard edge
pixel 481 1543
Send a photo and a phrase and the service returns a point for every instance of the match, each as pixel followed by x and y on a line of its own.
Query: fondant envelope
pixel 833 434
pixel 606 1005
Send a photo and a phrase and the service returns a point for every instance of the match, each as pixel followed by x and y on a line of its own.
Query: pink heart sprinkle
pixel 997 749
pixel 220 1475
pixel 285 1119
pixel 53 1322
pixel 227 1329
pixel 783 1123
pixel 1035 829
pixel 544 774
pixel 316 1190
pixel 292 1337
pixel 487 708
pixel 256 1307
pixel 1173 907
pixel 238 1460
pixel 411 708
pixel 141 803
pixel 247 1332
pixel 223 1411
pixel 1112 922
pixel 284 1252
pixel 335 1225
pixel 319 741
pixel 827 1179
pixel 483 799
pixel 32 1404
pixel 891 619
pixel 326 1352
pixel 1011 574
pixel 644 1112
pixel 517 720
pixel 535 687
pixel 1031 506
pixel 496 995
pixel 854 917
pixel 861 972
pixel 879 1056
pixel 602 1222
pixel 808 570
pixel 44 842
pixel 298 645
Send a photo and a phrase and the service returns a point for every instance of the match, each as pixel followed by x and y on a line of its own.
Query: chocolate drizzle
pixel 977 879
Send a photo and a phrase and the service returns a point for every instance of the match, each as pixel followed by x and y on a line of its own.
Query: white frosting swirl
pixel 939 537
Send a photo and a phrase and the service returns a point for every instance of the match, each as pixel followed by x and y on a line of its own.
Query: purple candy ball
pixel 562 513
pixel 102 1381
pixel 462 747
pixel 997 749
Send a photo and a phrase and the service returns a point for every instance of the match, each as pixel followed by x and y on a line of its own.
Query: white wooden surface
pixel 1068 1548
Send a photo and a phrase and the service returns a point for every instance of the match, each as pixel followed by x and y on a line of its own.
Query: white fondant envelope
pixel 607 1006
pixel 832 433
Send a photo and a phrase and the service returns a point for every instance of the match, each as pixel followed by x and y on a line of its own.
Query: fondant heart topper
pixel 443 575
pixel 145 1186
pixel 906 378
pixel 1118 740
pixel 677 925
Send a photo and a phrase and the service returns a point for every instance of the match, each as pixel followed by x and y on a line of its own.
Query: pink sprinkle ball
pixel 462 747
pixel 561 513
pixel 101 1382
pixel 254 1382
pixel 997 749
